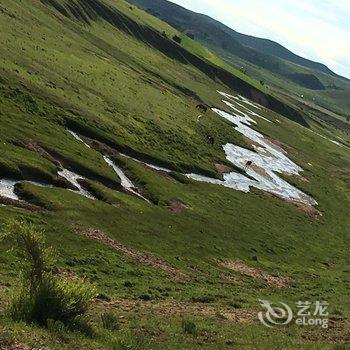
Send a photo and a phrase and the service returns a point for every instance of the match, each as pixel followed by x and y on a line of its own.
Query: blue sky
pixel 315 29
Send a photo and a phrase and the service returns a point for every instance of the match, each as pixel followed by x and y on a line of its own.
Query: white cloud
pixel 315 29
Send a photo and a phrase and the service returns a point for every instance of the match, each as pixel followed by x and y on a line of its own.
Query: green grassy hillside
pixel 260 59
pixel 104 70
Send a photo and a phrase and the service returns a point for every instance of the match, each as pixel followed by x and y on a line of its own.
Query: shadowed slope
pixel 92 10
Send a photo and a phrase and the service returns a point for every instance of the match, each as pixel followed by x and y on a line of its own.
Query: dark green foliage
pixel 146 297
pixel 42 295
pixel 204 299
pixel 59 299
pixel 128 284
pixel 177 39
pixel 189 327
pixel 110 321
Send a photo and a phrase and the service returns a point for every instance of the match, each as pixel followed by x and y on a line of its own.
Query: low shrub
pixel 110 321
pixel 42 294
pixel 189 327
pixel 204 299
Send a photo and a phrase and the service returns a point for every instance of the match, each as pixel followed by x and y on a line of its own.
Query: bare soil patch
pixel 308 209
pixel 272 281
pixel 138 257
pixel 20 204
pixel 260 171
pixel 337 332
pixel 223 169
pixel 281 146
pixel 177 308
pixel 178 206
pixel 41 151
pixel 14 345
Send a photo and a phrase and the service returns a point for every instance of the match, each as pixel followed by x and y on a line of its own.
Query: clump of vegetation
pixel 203 299
pixel 177 39
pixel 42 293
pixel 189 327
pixel 110 321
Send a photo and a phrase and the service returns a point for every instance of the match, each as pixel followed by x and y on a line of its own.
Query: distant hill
pixel 284 72
pixel 272 48
pixel 263 53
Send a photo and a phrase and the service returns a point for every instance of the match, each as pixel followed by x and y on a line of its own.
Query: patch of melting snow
pixel 152 166
pixel 77 137
pixel 332 141
pixel 7 189
pixel 264 162
pixel 240 98
pixel 336 143
pixel 73 179
pixel 261 165
pixel 125 181
pixel 232 106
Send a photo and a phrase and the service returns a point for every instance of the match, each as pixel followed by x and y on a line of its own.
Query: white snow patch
pixel 240 98
pixel 332 141
pixel 77 137
pixel 7 188
pixel 261 165
pixel 152 166
pixel 73 179
pixel 336 143
pixel 125 181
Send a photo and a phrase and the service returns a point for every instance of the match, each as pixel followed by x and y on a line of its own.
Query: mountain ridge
pixel 181 15
pixel 264 45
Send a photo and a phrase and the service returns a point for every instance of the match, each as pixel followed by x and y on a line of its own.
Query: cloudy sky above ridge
pixel 315 29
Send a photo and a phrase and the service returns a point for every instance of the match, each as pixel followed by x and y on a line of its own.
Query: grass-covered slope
pixel 100 69
pixel 261 59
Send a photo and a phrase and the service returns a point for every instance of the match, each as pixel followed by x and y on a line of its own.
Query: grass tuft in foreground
pixel 43 296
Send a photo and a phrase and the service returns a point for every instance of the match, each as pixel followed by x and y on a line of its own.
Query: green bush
pixel 43 295
pixel 110 321
pixel 204 299
pixel 189 327
pixel 55 298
